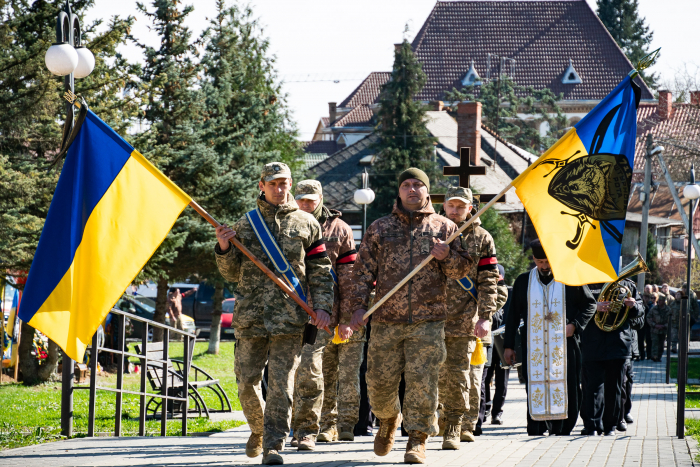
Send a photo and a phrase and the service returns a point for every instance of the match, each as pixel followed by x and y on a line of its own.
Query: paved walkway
pixel 648 442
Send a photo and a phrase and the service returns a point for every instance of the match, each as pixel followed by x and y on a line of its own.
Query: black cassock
pixel 580 308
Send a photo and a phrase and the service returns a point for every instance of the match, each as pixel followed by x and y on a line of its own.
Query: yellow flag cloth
pixel 336 337
pixel 479 355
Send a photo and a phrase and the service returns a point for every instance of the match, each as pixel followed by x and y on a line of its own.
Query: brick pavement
pixel 648 442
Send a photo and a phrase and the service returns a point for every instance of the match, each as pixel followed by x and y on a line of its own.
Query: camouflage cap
pixel 457 192
pixel 275 170
pixel 308 189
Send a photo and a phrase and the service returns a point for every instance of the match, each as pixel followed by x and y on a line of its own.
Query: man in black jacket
pixel 604 363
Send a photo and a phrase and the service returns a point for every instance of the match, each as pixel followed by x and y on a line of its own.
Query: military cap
pixel 457 192
pixel 414 173
pixel 275 170
pixel 308 189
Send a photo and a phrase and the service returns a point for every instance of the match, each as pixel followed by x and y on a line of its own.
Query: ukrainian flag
pixel 577 192
pixel 110 211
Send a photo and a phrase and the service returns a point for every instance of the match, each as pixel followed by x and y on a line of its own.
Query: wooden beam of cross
pixel 464 171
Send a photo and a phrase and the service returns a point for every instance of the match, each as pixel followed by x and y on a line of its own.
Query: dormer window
pixel 571 75
pixel 472 77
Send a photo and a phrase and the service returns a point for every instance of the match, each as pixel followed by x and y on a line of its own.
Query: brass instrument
pixel 615 293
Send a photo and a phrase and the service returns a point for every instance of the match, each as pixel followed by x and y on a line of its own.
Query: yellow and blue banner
pixel 110 211
pixel 11 342
pixel 577 192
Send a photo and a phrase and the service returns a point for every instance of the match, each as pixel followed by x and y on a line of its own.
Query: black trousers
pixel 366 417
pixel 627 382
pixel 602 394
pixel 487 405
pixel 644 342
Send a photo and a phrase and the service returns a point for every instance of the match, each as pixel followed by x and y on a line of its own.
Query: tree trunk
pixel 28 364
pixel 48 369
pixel 161 309
pixel 215 330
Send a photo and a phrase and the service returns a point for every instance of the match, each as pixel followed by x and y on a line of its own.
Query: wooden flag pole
pixel 430 257
pixel 258 263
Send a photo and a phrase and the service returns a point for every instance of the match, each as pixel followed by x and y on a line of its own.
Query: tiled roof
pixel 359 116
pixel 320 147
pixel 540 35
pixel 326 121
pixel 368 91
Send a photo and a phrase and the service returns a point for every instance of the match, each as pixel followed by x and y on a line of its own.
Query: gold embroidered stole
pixel 546 347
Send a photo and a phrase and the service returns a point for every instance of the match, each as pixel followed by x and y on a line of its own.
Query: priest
pixel 554 317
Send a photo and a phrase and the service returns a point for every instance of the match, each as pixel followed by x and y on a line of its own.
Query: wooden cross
pixel 464 170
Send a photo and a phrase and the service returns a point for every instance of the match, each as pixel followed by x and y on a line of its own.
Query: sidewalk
pixel 649 441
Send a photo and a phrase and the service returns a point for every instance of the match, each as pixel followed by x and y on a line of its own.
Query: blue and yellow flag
pixel 577 192
pixel 110 211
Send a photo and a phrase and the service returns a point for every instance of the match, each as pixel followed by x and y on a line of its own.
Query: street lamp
pixel 364 196
pixel 69 58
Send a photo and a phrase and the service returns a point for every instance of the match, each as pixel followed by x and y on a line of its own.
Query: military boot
pixel 253 447
pixel 272 457
pixel 307 443
pixel 384 440
pixel 415 448
pixel 467 435
pixel 328 435
pixel 450 439
pixel 346 434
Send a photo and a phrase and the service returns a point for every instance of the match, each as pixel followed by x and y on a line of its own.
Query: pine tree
pixel 509 251
pixel 621 18
pixel 404 138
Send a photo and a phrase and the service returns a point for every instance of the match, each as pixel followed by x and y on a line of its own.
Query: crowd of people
pixel 424 362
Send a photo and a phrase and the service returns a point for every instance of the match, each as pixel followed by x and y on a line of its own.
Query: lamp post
pixel 691 192
pixel 70 59
pixel 364 196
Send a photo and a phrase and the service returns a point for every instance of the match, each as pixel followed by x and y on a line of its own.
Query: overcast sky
pixel 319 42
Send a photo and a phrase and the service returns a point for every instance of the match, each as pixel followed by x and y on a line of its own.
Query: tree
pixel 654 274
pixel 503 101
pixel 404 139
pixel 621 18
pixel 509 251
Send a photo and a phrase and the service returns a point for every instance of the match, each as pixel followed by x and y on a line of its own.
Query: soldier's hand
pixel 356 322
pixel 629 302
pixel 570 329
pixel 322 320
pixel 441 250
pixel 482 328
pixel 344 331
pixel 509 356
pixel 223 234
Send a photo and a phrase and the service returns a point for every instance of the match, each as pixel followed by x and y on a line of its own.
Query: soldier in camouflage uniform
pixel 268 324
pixel 408 329
pixel 316 382
pixel 468 317
pixel 658 321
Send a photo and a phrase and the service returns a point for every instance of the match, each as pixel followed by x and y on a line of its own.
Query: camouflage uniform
pixel 408 330
pixel 268 321
pixel 658 316
pixel 460 382
pixel 309 386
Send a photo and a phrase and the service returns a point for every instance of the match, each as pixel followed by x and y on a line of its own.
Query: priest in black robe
pixel 580 308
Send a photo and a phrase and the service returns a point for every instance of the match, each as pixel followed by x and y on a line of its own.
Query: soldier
pixel 471 303
pixel 269 325
pixel 408 329
pixel 658 322
pixel 316 382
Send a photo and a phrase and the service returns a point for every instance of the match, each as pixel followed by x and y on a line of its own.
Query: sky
pixel 325 48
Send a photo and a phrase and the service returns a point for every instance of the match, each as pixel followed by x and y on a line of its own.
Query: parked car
pixel 200 304
pixel 144 307
pixel 226 317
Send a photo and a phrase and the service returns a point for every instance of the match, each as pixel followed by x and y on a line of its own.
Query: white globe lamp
pixel 691 191
pixel 61 59
pixel 364 196
pixel 86 62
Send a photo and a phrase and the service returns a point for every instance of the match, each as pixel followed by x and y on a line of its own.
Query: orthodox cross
pixel 536 303
pixel 464 170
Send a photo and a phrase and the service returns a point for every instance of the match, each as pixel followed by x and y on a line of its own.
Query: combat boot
pixel 328 435
pixel 450 439
pixel 346 434
pixel 384 440
pixel 468 436
pixel 272 457
pixel 307 443
pixel 253 447
pixel 415 448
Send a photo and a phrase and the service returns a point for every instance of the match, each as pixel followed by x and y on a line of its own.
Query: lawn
pixel 31 415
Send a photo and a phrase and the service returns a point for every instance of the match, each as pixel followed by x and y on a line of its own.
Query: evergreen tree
pixel 404 138
pixel 509 251
pixel 621 18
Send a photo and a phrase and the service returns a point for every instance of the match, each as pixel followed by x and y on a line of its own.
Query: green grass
pixel 31 415
pixel 693 368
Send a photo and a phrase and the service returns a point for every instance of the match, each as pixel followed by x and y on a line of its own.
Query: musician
pixel 604 358
pixel 550 344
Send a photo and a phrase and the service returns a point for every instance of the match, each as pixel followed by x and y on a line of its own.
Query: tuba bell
pixel 615 293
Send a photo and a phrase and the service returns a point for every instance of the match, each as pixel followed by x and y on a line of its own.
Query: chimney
pixel 332 115
pixel 437 106
pixel 665 105
pixel 694 97
pixel 469 129
pixel 397 47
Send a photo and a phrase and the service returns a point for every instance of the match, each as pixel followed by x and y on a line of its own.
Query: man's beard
pixel 545 272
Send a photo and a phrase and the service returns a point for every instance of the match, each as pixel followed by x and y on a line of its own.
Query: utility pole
pixel 646 200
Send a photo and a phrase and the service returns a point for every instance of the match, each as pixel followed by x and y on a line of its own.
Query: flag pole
pixel 285 288
pixel 430 257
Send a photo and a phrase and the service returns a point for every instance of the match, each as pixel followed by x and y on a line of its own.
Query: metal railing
pixel 168 374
